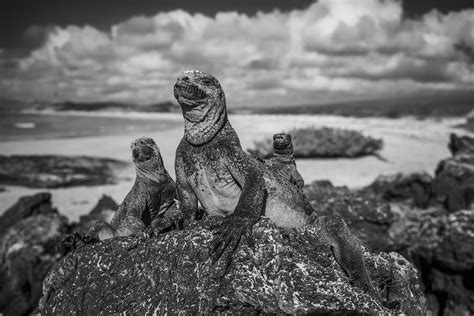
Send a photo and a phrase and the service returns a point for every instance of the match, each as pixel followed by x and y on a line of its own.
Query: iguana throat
pixel 203 104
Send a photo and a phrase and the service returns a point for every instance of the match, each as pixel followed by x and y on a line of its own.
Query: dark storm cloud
pixel 466 50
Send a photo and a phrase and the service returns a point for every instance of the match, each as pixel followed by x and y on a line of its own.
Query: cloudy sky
pixel 263 52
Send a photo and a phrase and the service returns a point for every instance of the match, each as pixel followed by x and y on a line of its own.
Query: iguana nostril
pixel 186 78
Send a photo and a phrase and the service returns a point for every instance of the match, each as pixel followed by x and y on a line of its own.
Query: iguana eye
pixel 206 81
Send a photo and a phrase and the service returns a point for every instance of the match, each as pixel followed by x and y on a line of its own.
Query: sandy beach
pixel 411 145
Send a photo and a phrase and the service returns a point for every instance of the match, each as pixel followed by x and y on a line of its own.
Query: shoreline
pixel 411 145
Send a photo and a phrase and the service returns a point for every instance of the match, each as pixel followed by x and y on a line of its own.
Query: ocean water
pixel 27 126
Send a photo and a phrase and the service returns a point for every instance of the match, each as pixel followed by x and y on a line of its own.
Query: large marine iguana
pixel 283 161
pixel 212 168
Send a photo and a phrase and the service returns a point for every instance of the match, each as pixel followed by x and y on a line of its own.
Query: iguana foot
pixel 360 279
pixel 158 228
pixel 227 238
pixel 73 241
pixel 149 232
pixel 394 305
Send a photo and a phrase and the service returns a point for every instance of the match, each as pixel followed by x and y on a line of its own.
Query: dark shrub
pixel 325 142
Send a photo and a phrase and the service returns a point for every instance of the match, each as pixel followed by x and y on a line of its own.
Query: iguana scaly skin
pixel 212 168
pixel 283 162
pixel 151 201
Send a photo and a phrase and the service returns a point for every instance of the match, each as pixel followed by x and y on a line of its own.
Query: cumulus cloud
pixel 336 47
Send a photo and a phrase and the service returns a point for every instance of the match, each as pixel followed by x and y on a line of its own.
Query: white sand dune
pixel 410 146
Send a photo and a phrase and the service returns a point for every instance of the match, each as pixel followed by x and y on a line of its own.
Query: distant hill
pixel 443 105
pixel 11 105
pixel 111 106
pixel 421 106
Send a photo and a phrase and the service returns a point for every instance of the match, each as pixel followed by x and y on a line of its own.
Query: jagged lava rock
pixel 27 251
pixel 367 217
pixel 271 273
pixel 415 188
pixel 454 182
pixel 104 210
pixel 443 248
pixel 26 206
pixel 50 171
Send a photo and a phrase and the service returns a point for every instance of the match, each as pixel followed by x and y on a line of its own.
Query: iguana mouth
pixel 142 154
pixel 188 91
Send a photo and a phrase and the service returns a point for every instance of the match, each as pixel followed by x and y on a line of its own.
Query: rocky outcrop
pixel 454 182
pixel 29 232
pixel 368 218
pixel 452 187
pixel 58 171
pixel 439 243
pixel 25 207
pixel 104 210
pixel 415 188
pixel 442 246
pixel 271 273
pixel 323 142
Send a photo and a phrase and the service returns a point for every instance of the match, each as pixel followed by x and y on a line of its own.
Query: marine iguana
pixel 151 201
pixel 283 161
pixel 150 206
pixel 213 169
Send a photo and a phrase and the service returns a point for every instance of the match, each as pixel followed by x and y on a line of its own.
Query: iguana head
pixel 202 101
pixel 282 144
pixel 146 157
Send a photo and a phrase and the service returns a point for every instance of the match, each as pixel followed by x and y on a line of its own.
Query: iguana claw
pixel 73 241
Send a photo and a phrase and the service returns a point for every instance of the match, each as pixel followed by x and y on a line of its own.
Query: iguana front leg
pixel 128 219
pixel 297 179
pixel 188 200
pixel 168 217
pixel 249 207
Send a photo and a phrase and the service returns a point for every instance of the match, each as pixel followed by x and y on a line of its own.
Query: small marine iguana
pixel 150 204
pixel 149 207
pixel 213 169
pixel 283 161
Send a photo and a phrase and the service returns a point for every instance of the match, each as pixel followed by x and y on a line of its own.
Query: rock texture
pixel 368 217
pixel 172 273
pixel 442 246
pixel 323 142
pixel 26 206
pixel 452 187
pixel 454 182
pixel 58 171
pixel 104 210
pixel 415 188
pixel 440 243
pixel 29 232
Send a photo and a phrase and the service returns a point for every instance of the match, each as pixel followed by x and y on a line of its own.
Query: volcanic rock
pixel 271 273
pixel 58 171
